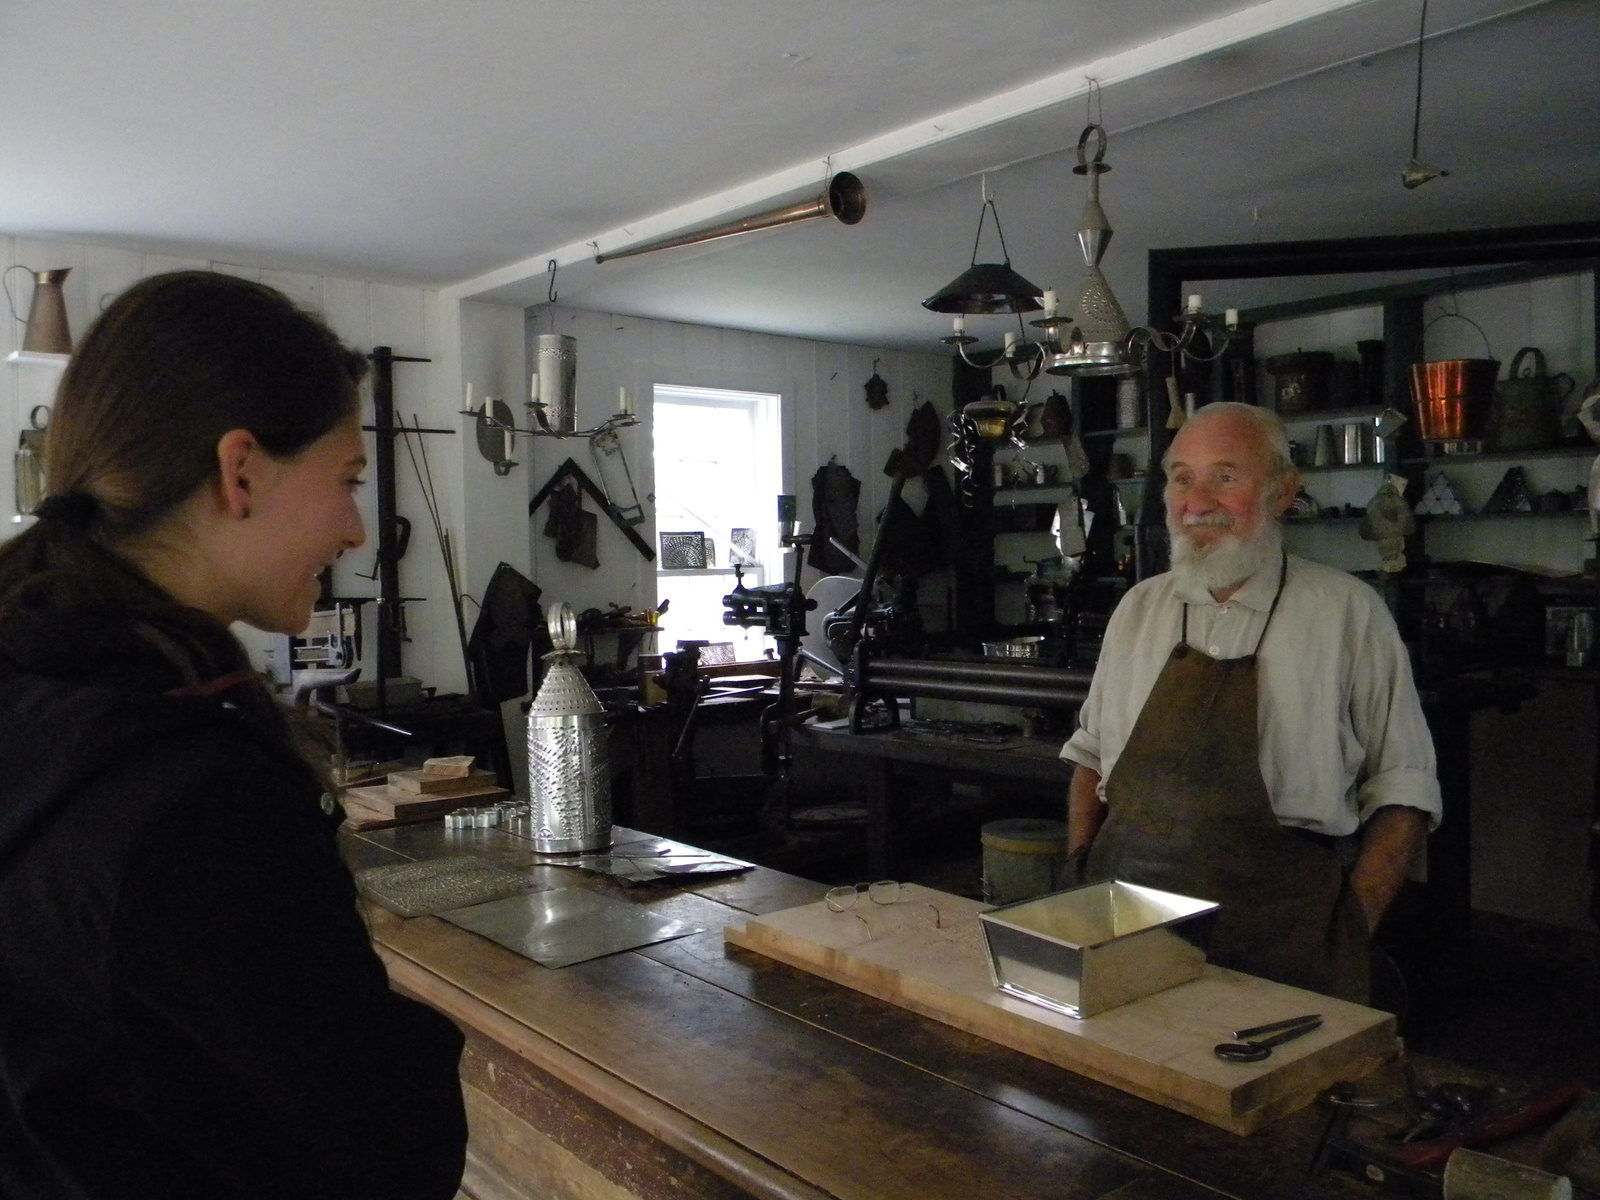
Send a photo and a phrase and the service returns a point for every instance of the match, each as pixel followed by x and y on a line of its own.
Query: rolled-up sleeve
pixel 1386 717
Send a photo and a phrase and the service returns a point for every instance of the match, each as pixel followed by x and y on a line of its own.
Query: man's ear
pixel 1288 489
pixel 238 465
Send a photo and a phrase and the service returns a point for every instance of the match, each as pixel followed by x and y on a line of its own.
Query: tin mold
pixel 1094 948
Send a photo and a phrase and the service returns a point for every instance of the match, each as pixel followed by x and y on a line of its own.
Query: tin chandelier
pixel 1095 338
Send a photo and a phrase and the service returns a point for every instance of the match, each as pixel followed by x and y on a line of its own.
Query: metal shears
pixel 1256 1043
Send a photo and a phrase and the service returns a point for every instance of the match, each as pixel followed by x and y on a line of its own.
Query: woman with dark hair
pixel 189 1004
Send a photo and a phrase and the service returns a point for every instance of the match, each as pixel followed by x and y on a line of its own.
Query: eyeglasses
pixel 883 893
pixel 843 899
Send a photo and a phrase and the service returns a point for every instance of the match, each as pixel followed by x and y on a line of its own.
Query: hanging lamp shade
pixel 986 288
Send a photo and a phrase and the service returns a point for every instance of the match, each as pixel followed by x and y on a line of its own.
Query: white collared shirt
pixel 1340 725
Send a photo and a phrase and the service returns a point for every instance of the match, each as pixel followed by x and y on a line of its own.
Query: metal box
pixel 1092 948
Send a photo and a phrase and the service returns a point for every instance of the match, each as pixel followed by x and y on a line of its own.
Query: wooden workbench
pixel 691 1069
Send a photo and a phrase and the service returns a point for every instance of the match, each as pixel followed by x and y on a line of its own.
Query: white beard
pixel 1228 561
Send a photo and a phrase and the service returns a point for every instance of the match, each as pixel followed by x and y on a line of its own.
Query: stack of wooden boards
pixel 439 786
pixel 926 953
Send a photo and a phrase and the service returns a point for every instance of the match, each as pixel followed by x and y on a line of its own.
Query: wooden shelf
pixel 1137 431
pixel 1332 416
pixel 1367 466
pixel 1442 460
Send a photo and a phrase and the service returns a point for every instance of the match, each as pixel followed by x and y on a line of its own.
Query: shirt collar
pixel 1257 593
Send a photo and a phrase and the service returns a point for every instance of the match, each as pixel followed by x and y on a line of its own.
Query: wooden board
pixel 395 805
pixel 416 783
pixel 926 953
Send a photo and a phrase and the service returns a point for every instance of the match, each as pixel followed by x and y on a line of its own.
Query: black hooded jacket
pixel 189 1003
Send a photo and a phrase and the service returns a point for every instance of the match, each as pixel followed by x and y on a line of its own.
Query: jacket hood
pixel 78 691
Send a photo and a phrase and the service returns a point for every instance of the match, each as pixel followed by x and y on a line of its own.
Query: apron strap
pixel 1283 575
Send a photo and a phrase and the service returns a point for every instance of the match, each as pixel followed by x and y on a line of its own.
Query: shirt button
pixel 1214 651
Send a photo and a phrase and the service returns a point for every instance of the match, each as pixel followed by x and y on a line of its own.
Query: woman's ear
pixel 239 458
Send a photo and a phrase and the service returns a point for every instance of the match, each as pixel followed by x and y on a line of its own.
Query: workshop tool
pixel 1255 1045
pixel 1493 1126
pixel 781 609
pixel 923 433
pixel 571 470
pixel 1410 1169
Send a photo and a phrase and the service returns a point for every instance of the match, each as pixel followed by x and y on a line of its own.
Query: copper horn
pixel 845 199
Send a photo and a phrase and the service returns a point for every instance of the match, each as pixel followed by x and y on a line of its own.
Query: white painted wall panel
pixel 363 314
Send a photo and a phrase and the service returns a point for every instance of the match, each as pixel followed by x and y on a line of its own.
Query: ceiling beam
pixel 518 281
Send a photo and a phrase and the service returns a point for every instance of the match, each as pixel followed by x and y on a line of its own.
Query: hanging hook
pixel 875 363
pixel 551 290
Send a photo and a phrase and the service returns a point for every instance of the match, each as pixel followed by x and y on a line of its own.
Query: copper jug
pixel 47 331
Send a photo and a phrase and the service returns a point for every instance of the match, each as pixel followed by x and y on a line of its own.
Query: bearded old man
pixel 1253 735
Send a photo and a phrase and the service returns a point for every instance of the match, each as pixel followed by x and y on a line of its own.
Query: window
pixel 718 468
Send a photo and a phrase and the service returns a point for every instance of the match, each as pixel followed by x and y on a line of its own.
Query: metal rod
pixel 388 561
pixel 982 693
pixel 1007 674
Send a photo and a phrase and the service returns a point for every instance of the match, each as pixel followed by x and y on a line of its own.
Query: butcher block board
pixel 926 953
pixel 373 807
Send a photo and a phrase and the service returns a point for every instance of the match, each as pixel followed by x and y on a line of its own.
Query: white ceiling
pixel 466 143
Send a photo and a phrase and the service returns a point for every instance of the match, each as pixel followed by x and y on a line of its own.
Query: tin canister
pixel 569 767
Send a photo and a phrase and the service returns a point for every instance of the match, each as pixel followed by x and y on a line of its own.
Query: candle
pixel 1232 318
pixel 469 397
pixel 506 444
pixel 1052 303
pixel 624 402
pixel 959 325
pixel 1194 303
pixel 1011 340
pixel 533 387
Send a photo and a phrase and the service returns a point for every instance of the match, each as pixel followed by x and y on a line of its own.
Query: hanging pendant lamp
pixel 1097 343
pixel 987 287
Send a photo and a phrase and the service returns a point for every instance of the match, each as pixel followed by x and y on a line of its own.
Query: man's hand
pixel 1084 810
pixel 1389 843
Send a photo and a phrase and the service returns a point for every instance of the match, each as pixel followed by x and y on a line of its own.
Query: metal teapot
pixel 1528 405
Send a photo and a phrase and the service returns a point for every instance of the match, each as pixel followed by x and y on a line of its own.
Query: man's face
pixel 1220 481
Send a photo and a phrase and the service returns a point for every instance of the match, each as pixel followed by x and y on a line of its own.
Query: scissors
pixel 1256 1043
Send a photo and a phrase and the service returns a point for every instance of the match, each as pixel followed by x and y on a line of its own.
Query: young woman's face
pixel 302 517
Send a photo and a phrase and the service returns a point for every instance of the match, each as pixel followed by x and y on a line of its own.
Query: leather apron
pixel 1188 812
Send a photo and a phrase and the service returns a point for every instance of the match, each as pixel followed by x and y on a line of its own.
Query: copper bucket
pixel 1454 398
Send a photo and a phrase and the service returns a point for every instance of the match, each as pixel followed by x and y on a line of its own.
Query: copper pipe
pixel 845 199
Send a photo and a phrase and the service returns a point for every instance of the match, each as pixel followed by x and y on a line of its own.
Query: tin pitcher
pixel 1527 404
pixel 46 330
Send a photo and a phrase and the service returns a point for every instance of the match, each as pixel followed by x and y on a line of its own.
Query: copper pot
pixel 1453 397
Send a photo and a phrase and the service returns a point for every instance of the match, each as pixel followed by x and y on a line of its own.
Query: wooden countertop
pixel 793 1087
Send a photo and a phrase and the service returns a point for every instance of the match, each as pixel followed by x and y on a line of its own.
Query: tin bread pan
pixel 1090 949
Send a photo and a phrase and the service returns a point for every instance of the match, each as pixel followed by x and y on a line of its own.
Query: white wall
pixel 824 414
pixel 414 322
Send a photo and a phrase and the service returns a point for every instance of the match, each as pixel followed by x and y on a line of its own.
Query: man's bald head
pixel 1249 425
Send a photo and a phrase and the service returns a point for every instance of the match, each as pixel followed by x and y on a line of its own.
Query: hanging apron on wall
pixel 1188 812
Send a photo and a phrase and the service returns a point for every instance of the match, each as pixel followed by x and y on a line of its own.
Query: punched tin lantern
pixel 569 769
